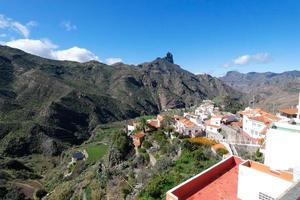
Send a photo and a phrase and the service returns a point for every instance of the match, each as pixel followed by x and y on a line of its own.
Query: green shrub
pixel 222 151
pixel 147 144
pixel 142 150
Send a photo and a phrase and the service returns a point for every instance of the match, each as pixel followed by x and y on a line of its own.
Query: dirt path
pixel 152 159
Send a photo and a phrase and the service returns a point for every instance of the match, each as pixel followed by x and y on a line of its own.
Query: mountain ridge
pixel 59 103
pixel 270 90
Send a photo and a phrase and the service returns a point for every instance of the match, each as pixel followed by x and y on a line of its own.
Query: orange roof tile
pixel 153 123
pixel 208 123
pixel 289 111
pixel 188 123
pixel 260 115
pixel 215 183
pixel 138 135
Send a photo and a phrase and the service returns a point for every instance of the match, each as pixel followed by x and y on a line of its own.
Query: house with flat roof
pixel 214 124
pixel 258 181
pixel 217 182
pixel 293 112
pixel 282 145
pixel 185 126
pixel 256 122
pixel 234 179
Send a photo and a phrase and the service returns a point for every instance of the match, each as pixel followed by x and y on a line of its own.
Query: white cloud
pixel 247 59
pixel 75 54
pixel 68 26
pixel 111 61
pixel 10 24
pixel 242 60
pixel 45 48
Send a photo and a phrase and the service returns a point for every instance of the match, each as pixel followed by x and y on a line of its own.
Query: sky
pixel 204 36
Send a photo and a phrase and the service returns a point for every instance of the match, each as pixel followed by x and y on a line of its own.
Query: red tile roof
pixel 218 182
pixel 208 123
pixel 139 135
pixel 153 123
pixel 187 123
pixel 289 111
pixel 225 187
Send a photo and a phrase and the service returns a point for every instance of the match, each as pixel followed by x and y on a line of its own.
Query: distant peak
pixel 169 57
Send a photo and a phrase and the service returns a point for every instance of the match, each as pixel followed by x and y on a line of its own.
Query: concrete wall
pixel 282 149
pixel 252 181
pixel 252 128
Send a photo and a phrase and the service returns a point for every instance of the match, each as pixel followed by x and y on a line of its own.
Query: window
pixel 263 196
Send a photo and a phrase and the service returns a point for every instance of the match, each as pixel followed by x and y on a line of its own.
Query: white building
pixel 290 113
pixel 283 145
pixel 258 181
pixel 194 118
pixel 206 109
pixel 214 124
pixel 256 122
pixel 187 127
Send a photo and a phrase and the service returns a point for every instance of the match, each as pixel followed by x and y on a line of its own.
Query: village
pixel 251 145
pixel 273 137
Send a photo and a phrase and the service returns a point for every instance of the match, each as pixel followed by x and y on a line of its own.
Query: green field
pixel 96 152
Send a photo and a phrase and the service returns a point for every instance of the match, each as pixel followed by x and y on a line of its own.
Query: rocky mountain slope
pixel 46 105
pixel 270 90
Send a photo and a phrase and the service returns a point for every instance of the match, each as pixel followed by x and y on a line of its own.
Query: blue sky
pixel 205 36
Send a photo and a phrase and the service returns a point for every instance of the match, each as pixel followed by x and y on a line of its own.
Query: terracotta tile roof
pixel 225 187
pixel 260 115
pixel 139 135
pixel 265 169
pixel 153 123
pixel 187 123
pixel 218 182
pixel 208 123
pixel 289 111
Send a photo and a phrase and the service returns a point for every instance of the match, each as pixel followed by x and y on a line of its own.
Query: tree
pixel 143 124
pixel 167 124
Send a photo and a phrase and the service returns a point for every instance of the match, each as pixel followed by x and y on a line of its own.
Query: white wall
pixel 251 182
pixel 252 127
pixel 282 149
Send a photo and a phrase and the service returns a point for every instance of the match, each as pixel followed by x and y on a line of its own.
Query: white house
pixel 290 113
pixel 258 181
pixel 187 127
pixel 194 118
pixel 214 124
pixel 256 122
pixel 205 110
pixel 283 145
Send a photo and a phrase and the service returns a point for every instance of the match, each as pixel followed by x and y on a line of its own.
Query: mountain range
pixel 267 90
pixel 47 105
